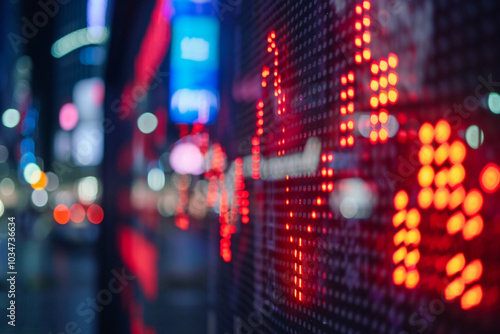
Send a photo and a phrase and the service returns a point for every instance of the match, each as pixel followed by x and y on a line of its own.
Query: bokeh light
pixel 68 116
pixel 11 118
pixel 147 122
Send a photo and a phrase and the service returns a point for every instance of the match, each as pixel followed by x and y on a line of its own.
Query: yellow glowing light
pixel 426 133
pixel 413 218
pixel 443 131
pixel 425 198
pixel 455 264
pixel 473 202
pixel 425 176
pixel 473 227
pixel 455 223
pixel 472 297
pixel 457 152
pixel 400 200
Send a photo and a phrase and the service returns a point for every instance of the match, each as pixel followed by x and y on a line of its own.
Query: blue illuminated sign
pixel 194 69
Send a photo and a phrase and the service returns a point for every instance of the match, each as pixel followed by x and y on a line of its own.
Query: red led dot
pixel 350 76
pixel 367 54
pixel 61 214
pixel 77 213
pixel 393 60
pixel 350 107
pixel 95 214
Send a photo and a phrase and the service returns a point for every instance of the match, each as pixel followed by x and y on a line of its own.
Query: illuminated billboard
pixel 194 69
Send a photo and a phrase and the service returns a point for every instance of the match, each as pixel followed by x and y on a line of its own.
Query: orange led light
pixel 399 275
pixel 412 279
pixel 426 154
pixel 350 107
pixel 399 255
pixel 393 95
pixel 357 41
pixel 367 54
pixel 425 176
pixel 366 5
pixel 472 297
pixel 383 135
pixel 350 76
pixel 383 98
pixel 374 68
pixel 443 131
pixel 442 153
pixel 426 133
pixel 473 202
pixel 441 178
pixel 366 21
pixel 454 289
pixel 413 237
pixel 399 218
pixel 412 258
pixel 455 223
pixel 399 237
pixel 473 227
pixel 367 37
pixel 457 198
pixel 374 102
pixel 400 200
pixel 490 178
pixel 374 85
pixel 456 175
pixel 383 81
pixel 441 198
pixel 373 136
pixel 383 65
pixel 455 264
pixel 393 60
pixel 457 152
pixel 374 119
pixel 472 272
pixel 425 198
pixel 383 117
pixel 392 78
pixel 412 218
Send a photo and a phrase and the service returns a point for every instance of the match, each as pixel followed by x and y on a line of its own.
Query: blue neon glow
pixel 194 72
pixel 27 145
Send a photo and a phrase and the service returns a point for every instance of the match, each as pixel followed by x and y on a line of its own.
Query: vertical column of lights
pixel 406 239
pixel 347 109
pixel 442 187
pixel 240 199
pixel 226 228
pixel 347 93
pixel 383 85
